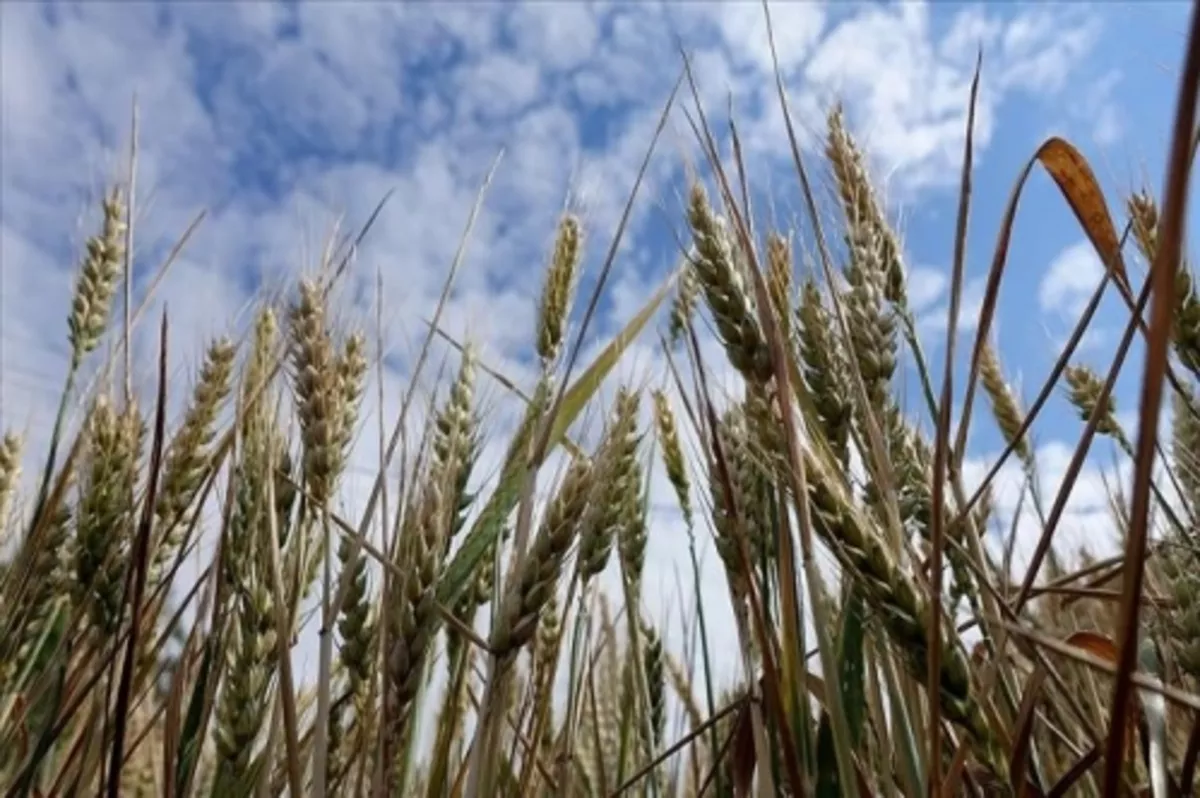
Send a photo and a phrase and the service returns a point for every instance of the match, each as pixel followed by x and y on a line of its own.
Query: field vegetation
pixel 466 646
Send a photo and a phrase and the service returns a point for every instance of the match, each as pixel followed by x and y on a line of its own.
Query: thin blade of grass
pixel 1077 460
pixel 1077 183
pixel 135 582
pixel 797 472
pixel 1102 664
pixel 398 430
pixel 773 700
pixel 1162 277
pixel 1187 773
pixel 941 446
pixel 127 308
pixel 1075 773
pixel 479 540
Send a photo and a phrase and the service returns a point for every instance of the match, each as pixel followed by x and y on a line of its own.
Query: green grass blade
pixel 192 738
pixel 487 526
pixel 852 684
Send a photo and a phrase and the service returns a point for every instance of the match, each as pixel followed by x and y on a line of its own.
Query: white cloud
pixel 502 84
pixel 933 322
pixel 1100 106
pixel 562 35
pixel 1085 525
pixel 925 286
pixel 1031 63
pixel 797 27
pixel 1069 281
pixel 887 57
pixel 1110 125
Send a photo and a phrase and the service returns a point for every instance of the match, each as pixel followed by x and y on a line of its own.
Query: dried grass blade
pixel 796 472
pixel 941 446
pixel 345 578
pixel 675 747
pixel 1162 277
pixel 1075 179
pixel 1075 773
pixel 136 574
pixel 779 364
pixel 1101 664
pixel 1187 774
pixel 1018 767
pixel 1077 459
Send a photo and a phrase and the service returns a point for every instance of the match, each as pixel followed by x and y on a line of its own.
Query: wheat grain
pixel 184 470
pixel 104 530
pixel 1004 403
pixel 561 277
pixel 97 281
pixel 668 436
pixel 824 368
pixel 616 488
pixel 870 235
pixel 725 291
pixel 683 306
pixel 10 474
pixel 1084 391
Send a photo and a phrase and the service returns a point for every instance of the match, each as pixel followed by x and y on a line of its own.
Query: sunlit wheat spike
pixel 540 569
pixel 456 445
pixel 356 624
pixel 184 471
pixel 1004 403
pixel 653 665
pixel 546 642
pixel 1180 621
pixel 872 326
pixel 412 612
pixel 824 369
pixel 739 502
pixel 318 392
pixel 1185 446
pixel 865 220
pixel 1084 391
pixel 351 372
pixel 10 475
pixel 672 453
pixel 97 280
pixel 561 278
pixel 632 535
pixel 1187 320
pixel 901 607
pixel 725 291
pixel 1143 214
pixel 683 306
pixel 242 707
pixel 616 488
pixel 256 375
pixel 779 280
pixel 104 531
pixel 50 586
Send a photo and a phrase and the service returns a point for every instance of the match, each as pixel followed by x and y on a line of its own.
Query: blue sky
pixel 279 117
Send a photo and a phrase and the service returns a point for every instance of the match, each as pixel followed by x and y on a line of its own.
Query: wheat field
pixel 466 645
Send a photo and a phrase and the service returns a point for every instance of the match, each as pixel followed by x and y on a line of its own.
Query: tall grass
pixel 467 645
